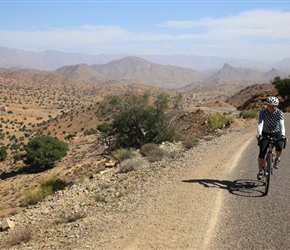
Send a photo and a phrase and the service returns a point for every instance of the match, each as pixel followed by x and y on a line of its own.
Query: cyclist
pixel 270 122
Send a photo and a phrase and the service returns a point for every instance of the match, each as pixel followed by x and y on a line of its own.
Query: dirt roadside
pixel 183 213
pixel 183 216
pixel 167 207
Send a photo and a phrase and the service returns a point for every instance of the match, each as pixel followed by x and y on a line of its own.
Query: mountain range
pixel 132 69
pixel 52 60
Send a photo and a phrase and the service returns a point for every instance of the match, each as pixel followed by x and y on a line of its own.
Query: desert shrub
pixel 3 153
pixel 190 141
pixel 220 133
pixel 15 146
pixel 70 136
pixel 123 154
pixel 208 138
pixel 132 164
pixel 52 185
pixel 260 93
pixel 68 218
pixel 19 235
pixel 32 197
pixel 100 198
pixel 217 120
pixel 156 155
pixel 90 131
pixel 148 148
pixel 246 114
pixel 104 127
pixel 17 157
pixel 152 152
pixel 44 150
pixel 47 187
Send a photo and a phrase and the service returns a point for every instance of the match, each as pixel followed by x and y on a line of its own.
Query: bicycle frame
pixel 269 160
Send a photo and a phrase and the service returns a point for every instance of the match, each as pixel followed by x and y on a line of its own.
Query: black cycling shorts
pixel 263 143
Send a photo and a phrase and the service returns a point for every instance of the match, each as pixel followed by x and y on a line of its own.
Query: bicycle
pixel 269 160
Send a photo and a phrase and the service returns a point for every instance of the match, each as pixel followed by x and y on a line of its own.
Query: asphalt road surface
pixel 248 219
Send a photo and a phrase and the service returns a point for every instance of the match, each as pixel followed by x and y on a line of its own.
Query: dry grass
pixel 18 236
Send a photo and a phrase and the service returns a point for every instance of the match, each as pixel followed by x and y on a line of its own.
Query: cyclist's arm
pixel 282 127
pixel 260 127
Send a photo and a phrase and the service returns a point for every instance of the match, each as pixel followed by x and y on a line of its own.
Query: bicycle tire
pixel 267 172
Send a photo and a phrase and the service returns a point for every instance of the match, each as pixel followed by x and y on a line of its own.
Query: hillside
pixel 62 101
pixel 134 210
pixel 66 102
pixel 256 93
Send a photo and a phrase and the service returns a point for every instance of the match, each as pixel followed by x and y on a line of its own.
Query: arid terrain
pixel 41 103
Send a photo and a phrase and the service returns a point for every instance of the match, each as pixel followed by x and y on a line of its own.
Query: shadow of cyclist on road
pixel 249 188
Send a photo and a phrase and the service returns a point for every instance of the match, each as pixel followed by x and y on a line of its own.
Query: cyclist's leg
pixel 262 153
pixel 278 147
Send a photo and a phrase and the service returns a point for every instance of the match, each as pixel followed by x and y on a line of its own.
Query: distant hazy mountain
pixel 82 72
pixel 52 60
pixel 141 70
pixel 138 70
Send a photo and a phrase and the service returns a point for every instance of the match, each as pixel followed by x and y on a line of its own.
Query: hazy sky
pixel 236 29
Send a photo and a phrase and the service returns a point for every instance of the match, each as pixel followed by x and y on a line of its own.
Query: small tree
pixel 283 86
pixel 139 123
pixel 43 151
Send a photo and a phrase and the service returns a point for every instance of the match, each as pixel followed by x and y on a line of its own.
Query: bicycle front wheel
pixel 267 173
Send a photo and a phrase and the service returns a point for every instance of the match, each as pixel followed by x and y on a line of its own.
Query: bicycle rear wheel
pixel 267 173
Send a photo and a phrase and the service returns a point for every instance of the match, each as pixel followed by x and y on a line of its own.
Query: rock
pixel 110 164
pixel 7 224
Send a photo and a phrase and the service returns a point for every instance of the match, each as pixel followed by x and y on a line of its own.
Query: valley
pixel 67 102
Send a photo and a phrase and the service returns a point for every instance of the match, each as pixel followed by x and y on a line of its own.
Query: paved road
pixel 247 219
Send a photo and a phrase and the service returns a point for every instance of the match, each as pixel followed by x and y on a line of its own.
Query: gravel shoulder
pixel 183 213
pixel 165 206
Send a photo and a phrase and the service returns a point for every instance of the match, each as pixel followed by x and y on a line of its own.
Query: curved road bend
pixel 247 219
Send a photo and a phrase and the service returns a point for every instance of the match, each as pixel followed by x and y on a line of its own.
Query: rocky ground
pixel 160 206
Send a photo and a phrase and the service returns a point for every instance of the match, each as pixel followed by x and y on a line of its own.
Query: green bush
pixel 246 114
pixel 217 120
pixel 47 187
pixel 43 151
pixel 3 153
pixel 104 127
pixel 260 93
pixel 52 185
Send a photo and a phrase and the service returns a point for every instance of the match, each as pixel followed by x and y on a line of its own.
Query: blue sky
pixel 257 30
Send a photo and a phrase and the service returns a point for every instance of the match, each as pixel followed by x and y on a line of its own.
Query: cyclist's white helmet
pixel 272 100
